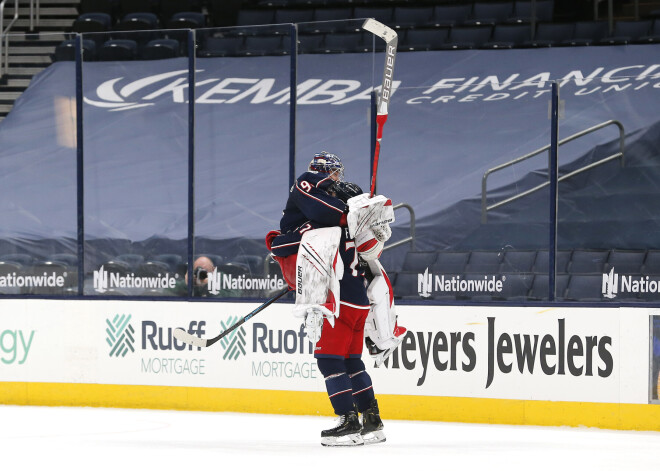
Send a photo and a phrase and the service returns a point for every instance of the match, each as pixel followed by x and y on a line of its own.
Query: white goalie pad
pixel 381 327
pixel 368 245
pixel 318 271
pixel 374 213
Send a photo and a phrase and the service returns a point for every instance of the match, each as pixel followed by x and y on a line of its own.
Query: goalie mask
pixel 325 162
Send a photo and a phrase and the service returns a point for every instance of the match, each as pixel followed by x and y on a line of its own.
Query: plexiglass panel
pixel 469 158
pixel 136 148
pixel 38 247
pixel 609 191
pixel 242 152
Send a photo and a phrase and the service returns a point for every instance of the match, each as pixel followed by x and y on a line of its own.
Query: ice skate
pixel 372 426
pixel 346 433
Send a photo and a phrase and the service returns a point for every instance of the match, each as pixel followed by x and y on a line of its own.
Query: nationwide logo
pixel 120 335
pixel 45 280
pixel 233 343
pixel 614 284
pixel 218 281
pixel 427 284
pixel 104 281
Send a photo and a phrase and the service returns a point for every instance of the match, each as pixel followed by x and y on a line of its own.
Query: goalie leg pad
pixel 319 269
pixel 381 328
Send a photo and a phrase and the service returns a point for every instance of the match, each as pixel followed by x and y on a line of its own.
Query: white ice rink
pixel 42 438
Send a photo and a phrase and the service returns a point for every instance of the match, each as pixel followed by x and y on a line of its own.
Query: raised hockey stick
pixel 185 337
pixel 391 39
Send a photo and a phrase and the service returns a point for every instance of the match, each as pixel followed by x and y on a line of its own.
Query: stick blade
pixel 386 33
pixel 185 337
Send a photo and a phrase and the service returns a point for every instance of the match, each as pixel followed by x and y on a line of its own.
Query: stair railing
pixel 612 122
pixel 4 35
pixel 411 237
pixel 35 13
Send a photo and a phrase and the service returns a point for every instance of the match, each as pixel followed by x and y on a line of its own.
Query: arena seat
pixel 518 261
pixel 625 261
pixel 152 268
pixel 406 286
pixel 450 262
pixel 343 42
pixel 131 259
pixel 515 287
pixel 506 36
pixel 382 14
pixel 138 21
pixel 451 15
pixel 539 289
pixel 66 50
pixel 626 32
pixel 135 6
pixel 187 19
pixel 255 17
pixel 585 287
pixel 118 50
pixel 405 17
pixel 653 36
pixel 161 49
pixel 94 22
pixel 588 261
pixel 652 263
pixel 418 261
pixel 522 11
pixel 111 7
pixel 293 16
pixel 265 45
pixel 483 262
pixel 542 260
pixel 551 34
pixel 486 13
pixel 310 43
pixel 424 39
pixel 221 47
pixel 587 33
pixel 468 37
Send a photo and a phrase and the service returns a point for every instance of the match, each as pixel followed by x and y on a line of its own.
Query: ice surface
pixel 38 438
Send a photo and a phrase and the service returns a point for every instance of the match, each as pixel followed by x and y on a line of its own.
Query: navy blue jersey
pixel 308 207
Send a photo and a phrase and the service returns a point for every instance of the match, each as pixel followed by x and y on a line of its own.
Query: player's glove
pixel 313 324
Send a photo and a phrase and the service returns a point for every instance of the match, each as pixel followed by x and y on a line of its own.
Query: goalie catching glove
pixel 374 213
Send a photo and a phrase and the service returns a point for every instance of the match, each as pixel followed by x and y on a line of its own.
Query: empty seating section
pixel 524 274
pixel 422 26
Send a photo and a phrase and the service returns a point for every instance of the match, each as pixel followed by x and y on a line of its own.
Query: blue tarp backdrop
pixel 454 115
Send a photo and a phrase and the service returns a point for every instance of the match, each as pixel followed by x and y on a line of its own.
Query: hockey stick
pixel 185 337
pixel 391 39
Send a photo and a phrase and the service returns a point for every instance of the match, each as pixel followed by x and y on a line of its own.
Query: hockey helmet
pixel 325 162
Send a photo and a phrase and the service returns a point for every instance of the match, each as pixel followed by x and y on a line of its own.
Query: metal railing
pixel 485 208
pixel 35 15
pixel 4 37
pixel 411 237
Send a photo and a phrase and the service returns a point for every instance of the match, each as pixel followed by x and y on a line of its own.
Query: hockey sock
pixel 363 391
pixel 337 383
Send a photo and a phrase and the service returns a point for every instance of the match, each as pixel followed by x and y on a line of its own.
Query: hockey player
pixel 319 259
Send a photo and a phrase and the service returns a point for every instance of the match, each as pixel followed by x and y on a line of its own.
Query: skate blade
pixel 370 438
pixel 353 439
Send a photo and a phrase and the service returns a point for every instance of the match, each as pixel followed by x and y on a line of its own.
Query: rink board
pixel 490 364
